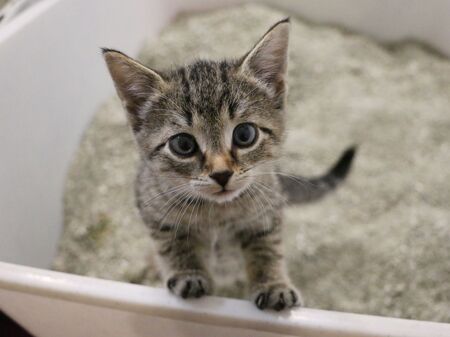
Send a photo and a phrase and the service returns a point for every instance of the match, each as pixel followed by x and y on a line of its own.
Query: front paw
pixel 276 296
pixel 190 284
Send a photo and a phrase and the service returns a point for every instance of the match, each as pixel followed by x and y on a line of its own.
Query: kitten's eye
pixel 244 135
pixel 183 145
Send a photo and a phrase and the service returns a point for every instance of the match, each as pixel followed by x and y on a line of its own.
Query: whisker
pixel 254 204
pixel 266 226
pixel 159 195
pixel 181 197
pixel 300 180
pixel 281 197
pixel 197 202
pixel 180 215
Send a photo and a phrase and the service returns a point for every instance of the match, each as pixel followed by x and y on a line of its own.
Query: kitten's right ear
pixel 134 83
pixel 267 61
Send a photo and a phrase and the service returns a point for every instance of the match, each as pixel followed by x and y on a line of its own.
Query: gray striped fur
pixel 180 203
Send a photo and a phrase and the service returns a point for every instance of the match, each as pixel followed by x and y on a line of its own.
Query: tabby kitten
pixel 209 134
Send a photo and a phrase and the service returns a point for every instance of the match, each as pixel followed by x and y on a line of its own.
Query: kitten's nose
pixel 221 177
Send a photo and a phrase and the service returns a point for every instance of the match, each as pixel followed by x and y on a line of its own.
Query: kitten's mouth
pixel 224 192
pixel 225 195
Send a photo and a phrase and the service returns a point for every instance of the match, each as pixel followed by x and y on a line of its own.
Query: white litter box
pixel 52 79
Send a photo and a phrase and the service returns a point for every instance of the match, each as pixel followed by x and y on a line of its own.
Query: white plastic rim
pixel 210 313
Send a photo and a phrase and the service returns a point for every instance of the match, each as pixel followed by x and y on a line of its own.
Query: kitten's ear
pixel 267 61
pixel 134 83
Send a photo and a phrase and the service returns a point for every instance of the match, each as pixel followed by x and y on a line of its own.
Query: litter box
pixel 52 80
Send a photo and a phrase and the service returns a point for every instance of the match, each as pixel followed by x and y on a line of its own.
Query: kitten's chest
pixel 226 262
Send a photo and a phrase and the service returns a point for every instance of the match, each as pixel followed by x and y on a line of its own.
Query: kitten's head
pixel 209 125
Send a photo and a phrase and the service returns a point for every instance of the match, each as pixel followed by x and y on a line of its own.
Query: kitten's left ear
pixel 134 83
pixel 267 61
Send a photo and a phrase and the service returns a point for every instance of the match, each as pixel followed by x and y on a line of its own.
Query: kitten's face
pixel 213 129
pixel 211 126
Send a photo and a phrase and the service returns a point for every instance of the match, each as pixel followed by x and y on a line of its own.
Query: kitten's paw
pixel 277 296
pixel 189 284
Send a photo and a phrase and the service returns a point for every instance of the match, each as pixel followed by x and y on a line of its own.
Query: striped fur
pixel 188 213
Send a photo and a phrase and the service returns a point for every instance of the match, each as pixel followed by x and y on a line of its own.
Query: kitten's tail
pixel 301 190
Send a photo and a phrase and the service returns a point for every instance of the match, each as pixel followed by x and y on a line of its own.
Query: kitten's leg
pixel 269 284
pixel 181 265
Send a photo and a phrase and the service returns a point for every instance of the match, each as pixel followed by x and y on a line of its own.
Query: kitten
pixel 209 135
